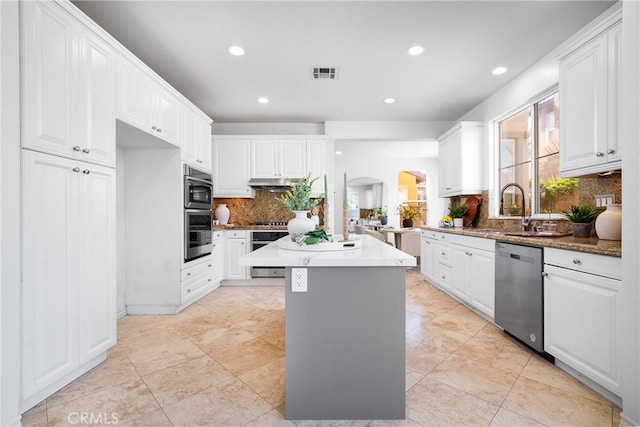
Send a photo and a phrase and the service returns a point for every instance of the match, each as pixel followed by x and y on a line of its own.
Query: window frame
pixel 495 138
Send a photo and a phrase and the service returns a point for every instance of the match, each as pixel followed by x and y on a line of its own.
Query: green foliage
pixel 408 211
pixel 312 237
pixel 298 198
pixel 582 214
pixel 458 211
pixel 379 213
pixel 555 188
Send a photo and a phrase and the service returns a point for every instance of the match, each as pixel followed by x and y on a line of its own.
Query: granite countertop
pixel 580 244
pixel 251 227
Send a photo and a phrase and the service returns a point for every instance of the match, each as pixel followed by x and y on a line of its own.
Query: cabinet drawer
pixel 445 276
pixel 236 234
pixel 601 265
pixel 196 270
pixel 431 234
pixel 190 287
pixel 216 235
pixel 444 256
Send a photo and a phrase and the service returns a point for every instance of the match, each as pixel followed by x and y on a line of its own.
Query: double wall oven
pixel 198 195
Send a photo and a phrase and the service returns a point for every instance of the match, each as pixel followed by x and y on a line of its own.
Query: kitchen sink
pixel 536 234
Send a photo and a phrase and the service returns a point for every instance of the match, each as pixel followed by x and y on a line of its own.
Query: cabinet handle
pixel 611 151
pixel 545 274
pixel 443 277
pixel 159 130
pixel 599 154
pixel 86 171
pixel 188 274
pixel 199 161
pixel 442 253
pixel 209 265
pixel 76 148
pixel 188 291
pixel 154 128
pixel 76 169
pixel 209 280
pixel 576 261
pixel 86 150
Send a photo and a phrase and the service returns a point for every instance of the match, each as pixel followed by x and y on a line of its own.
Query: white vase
pixel 222 213
pixel 457 222
pixel 609 223
pixel 300 224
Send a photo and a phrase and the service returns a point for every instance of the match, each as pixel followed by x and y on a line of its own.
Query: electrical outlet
pixel 298 280
pixel 602 200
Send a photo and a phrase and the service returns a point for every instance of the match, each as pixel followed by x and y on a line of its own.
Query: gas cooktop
pixel 269 224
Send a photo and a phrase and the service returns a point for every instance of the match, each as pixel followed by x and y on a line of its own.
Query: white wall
pixel 10 302
pixel 629 294
pixel 383 160
pixel 386 130
pixel 268 128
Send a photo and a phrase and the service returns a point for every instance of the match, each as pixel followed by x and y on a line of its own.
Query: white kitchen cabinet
pixel 316 164
pixel 68 86
pixel 590 105
pixel 581 306
pixel 459 154
pixel 429 257
pixel 236 244
pixel 218 257
pixel 196 279
pixel 284 158
pixel 68 244
pixel 145 104
pixel 196 139
pixel 231 167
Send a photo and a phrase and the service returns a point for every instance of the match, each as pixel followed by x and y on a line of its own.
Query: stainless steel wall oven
pixel 198 189
pixel 198 193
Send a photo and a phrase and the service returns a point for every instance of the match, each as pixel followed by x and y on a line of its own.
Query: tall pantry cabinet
pixel 68 199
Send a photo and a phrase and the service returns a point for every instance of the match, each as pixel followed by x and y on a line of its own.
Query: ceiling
pixel 186 43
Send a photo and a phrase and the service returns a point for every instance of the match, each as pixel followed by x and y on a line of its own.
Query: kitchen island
pixel 345 330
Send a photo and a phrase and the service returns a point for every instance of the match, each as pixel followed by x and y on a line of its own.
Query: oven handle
pixel 198 210
pixel 203 181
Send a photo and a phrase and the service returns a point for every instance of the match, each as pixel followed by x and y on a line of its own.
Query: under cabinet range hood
pixel 270 184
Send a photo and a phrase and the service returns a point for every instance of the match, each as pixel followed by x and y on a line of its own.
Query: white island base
pixel 345 335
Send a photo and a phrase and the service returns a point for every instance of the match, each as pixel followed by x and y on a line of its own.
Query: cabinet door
pixel 97 100
pixel 218 261
pixel 481 280
pixel 50 283
pixel 449 164
pixel 231 171
pixel 316 165
pixel 461 271
pixel 234 249
pixel 581 324
pixel 583 106
pixel 614 77
pixel 96 261
pixel 425 254
pixel 167 111
pixel 203 145
pixel 264 158
pixel 49 73
pixel 189 136
pixel 136 96
pixel 293 158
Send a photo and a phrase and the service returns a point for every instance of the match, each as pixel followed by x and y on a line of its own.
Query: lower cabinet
pixel 68 287
pixel 236 244
pixel 429 258
pixel 218 257
pixel 581 308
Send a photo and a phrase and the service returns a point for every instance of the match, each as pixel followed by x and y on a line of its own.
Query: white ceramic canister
pixel 222 213
pixel 300 224
pixel 609 223
pixel 457 222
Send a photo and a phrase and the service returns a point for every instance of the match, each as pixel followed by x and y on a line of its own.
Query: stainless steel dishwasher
pixel 519 293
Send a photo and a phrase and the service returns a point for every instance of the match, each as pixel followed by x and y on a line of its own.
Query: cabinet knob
pixel 599 154
pixel 86 171
pixel 576 261
pixel 76 148
pixel 188 291
pixel 154 127
pixel 159 130
pixel 76 169
pixel 611 151
pixel 545 274
pixel 209 265
pixel 188 274
pixel 209 280
pixel 86 150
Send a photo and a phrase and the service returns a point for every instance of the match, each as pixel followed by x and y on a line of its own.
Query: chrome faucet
pixel 525 220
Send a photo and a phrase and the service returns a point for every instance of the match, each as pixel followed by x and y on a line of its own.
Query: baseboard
pixel 626 422
pixel 258 281
pixel 602 391
pixel 121 313
pixel 136 309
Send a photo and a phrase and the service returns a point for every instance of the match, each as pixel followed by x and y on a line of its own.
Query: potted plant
pixel 298 200
pixel 458 213
pixel 408 213
pixel 582 218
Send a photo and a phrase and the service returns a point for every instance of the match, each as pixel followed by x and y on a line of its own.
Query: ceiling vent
pixel 324 72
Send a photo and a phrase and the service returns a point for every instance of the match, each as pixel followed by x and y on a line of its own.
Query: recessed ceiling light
pixel 338 152
pixel 236 50
pixel 499 70
pixel 263 100
pixel 415 50
pixel 389 100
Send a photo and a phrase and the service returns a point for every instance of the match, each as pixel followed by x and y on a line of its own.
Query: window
pixel 528 155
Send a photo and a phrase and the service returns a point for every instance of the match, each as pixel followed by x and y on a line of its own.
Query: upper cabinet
pixel 459 153
pixel 590 97
pixel 316 165
pixel 272 158
pixel 196 139
pixel 231 171
pixel 68 86
pixel 145 104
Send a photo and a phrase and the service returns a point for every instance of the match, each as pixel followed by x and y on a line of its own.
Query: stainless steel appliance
pixel 260 239
pixel 519 293
pixel 197 234
pixel 198 188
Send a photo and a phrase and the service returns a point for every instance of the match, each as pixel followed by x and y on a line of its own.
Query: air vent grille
pixel 324 72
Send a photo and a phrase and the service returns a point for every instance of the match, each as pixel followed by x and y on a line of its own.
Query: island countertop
pixel 373 253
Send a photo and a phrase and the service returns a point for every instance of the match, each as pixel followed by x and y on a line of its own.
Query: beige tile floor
pixel 221 363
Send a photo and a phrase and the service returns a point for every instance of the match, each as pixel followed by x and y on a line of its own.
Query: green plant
pixel 382 212
pixel 298 198
pixel 582 214
pixel 554 188
pixel 408 211
pixel 458 211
